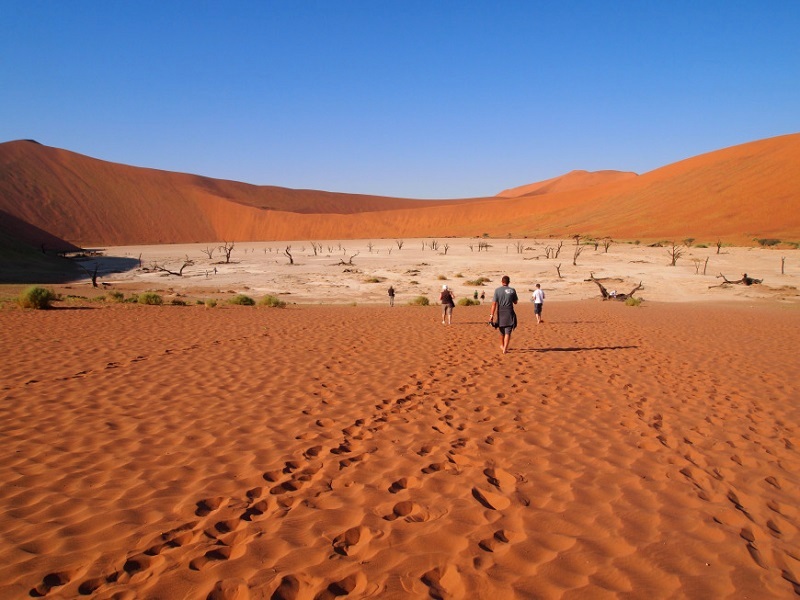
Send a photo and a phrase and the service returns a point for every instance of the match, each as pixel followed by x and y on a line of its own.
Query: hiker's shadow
pixel 575 349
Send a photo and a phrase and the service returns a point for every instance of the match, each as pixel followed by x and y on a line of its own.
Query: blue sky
pixel 411 98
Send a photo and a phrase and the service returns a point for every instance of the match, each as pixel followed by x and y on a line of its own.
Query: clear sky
pixel 409 98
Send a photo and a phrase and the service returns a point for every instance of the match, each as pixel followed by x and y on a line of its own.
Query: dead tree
pixel 675 252
pixel 606 243
pixel 314 247
pixel 209 252
pixel 92 274
pixel 227 248
pixel 178 273
pixel 558 270
pixel 745 280
pixel 613 296
pixel 288 252
pixel 719 245
pixel 446 247
pixel 399 244
pixel 520 246
pixel 551 252
pixel 578 250
pixel 349 262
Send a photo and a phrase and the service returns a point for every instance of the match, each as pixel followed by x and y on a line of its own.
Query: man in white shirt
pixel 538 303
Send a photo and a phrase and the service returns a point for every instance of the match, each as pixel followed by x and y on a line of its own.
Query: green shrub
pixel 767 242
pixel 478 282
pixel 420 301
pixel 272 302
pixel 178 302
pixel 132 299
pixel 210 303
pixel 36 297
pixel 150 298
pixel 242 300
pixel 468 302
pixel 115 297
pixel 631 301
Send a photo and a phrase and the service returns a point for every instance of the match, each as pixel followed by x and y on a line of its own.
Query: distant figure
pixel 538 303
pixel 505 297
pixel 391 296
pixel 448 303
pixel 475 295
pixel 483 296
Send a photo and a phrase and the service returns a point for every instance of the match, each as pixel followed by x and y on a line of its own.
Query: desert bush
pixel 178 302
pixel 372 280
pixel 115 297
pixel 632 301
pixel 442 278
pixel 132 299
pixel 150 298
pixel 478 282
pixel 468 302
pixel 767 242
pixel 271 302
pixel 242 300
pixel 420 301
pixel 413 282
pixel 210 303
pixel 36 297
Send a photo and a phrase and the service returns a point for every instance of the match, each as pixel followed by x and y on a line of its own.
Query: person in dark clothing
pixel 505 297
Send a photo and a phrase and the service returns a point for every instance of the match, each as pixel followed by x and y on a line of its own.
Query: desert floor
pixel 360 271
pixel 322 451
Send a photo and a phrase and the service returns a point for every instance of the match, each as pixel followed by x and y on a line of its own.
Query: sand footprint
pixel 445 582
pixel 208 505
pixel 352 541
pixel 500 540
pixel 229 589
pixel 50 581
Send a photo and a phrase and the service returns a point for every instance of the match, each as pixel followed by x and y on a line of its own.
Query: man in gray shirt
pixel 505 297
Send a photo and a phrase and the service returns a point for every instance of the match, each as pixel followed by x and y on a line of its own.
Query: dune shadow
pixel 59 268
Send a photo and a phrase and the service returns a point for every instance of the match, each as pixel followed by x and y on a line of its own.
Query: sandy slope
pixel 320 452
pixel 734 194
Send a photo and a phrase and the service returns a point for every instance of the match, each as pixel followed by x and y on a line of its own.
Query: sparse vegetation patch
pixel 242 300
pixel 272 302
pixel 36 297
pixel 150 298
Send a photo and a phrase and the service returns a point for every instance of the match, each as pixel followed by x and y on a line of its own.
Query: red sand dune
pixel 735 194
pixel 574 180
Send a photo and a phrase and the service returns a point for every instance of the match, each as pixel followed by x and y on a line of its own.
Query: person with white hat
pixel 447 298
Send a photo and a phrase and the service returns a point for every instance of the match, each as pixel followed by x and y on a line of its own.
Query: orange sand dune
pixel 573 180
pixel 735 194
pixel 321 452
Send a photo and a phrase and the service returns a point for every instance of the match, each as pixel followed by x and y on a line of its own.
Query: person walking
pixel 538 303
pixel 391 296
pixel 447 298
pixel 505 297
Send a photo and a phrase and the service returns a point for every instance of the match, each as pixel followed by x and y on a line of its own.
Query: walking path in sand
pixel 320 451
pixel 329 450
